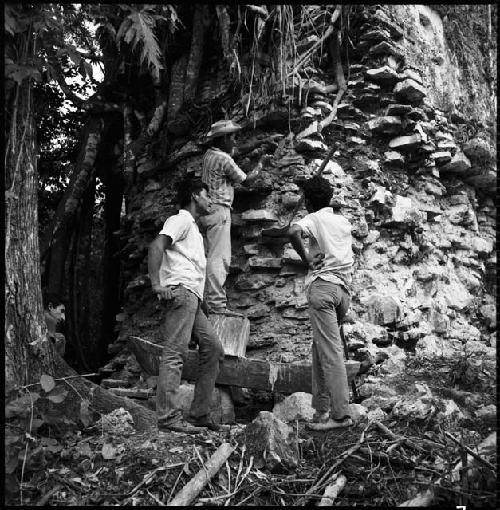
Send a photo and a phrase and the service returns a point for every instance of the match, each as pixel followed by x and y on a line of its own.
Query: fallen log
pixel 238 371
pixel 189 492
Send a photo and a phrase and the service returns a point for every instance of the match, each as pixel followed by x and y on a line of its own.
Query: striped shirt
pixel 330 234
pixel 220 172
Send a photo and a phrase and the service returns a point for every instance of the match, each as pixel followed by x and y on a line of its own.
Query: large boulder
pixel 270 441
pixel 297 406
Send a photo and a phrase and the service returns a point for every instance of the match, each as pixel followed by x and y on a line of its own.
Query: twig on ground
pixel 45 499
pixel 470 451
pixel 152 496
pixel 150 476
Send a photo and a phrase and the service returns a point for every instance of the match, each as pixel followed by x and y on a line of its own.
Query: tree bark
pixel 27 348
pixel 200 25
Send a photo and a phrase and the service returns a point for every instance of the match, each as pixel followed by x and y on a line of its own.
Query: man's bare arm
pixel 255 173
pixel 295 235
pixel 155 257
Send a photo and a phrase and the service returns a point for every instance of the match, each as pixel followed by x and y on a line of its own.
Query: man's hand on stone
pixel 316 262
pixel 162 292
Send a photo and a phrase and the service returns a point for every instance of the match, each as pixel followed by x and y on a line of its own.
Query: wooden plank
pixel 115 383
pixel 233 332
pixel 239 371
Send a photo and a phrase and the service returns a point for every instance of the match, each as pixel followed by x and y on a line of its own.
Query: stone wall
pixel 419 196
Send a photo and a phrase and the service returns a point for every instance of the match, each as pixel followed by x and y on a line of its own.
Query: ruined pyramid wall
pixel 417 170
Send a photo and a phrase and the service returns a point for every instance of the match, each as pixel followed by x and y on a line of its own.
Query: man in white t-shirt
pixel 177 265
pixel 328 282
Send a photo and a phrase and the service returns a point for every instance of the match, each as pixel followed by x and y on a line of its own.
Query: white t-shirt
pixel 330 234
pixel 185 262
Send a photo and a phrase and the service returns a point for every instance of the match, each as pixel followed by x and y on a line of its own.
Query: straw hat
pixel 222 127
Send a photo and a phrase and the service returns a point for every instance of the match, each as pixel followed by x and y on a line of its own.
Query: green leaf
pixel 59 397
pixel 47 382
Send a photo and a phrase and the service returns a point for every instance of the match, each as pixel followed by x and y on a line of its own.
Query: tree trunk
pixel 111 267
pixel 27 348
pixel 200 25
pixel 67 208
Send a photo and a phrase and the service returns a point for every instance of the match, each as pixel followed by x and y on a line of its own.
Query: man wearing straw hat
pixel 220 173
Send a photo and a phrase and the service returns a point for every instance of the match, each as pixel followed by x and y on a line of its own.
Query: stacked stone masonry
pixel 420 198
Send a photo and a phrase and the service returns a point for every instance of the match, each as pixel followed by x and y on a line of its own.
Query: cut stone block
pixel 264 262
pixel 387 125
pixel 441 158
pixel 386 48
pixel 409 90
pixel 394 158
pixel 398 109
pixel 233 332
pixel 406 143
pixel 259 215
pixel 309 145
pixel 384 74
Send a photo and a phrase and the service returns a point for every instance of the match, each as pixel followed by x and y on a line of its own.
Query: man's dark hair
pixel 317 191
pixel 186 187
pixel 50 298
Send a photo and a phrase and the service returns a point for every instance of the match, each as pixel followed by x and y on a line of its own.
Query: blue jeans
pixel 328 304
pixel 183 317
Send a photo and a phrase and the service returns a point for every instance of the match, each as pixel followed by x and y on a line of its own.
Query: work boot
pixel 180 426
pixel 204 421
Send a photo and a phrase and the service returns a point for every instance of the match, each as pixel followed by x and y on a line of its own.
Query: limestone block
pixel 310 145
pixel 294 313
pixel 413 408
pixel 290 160
pixel 376 415
pixel 394 158
pixel 372 237
pixel 270 441
pixel 297 406
pixel 259 215
pixel 376 35
pixel 454 294
pixel 431 346
pixel 490 316
pixel 290 199
pixel 406 143
pixel 358 412
pixel 379 402
pixel 409 90
pixel 441 157
pixel 450 412
pixel 383 310
pixel 476 347
pixel 446 145
pixel 386 48
pixel 385 125
pixel 253 282
pixel 221 409
pixel 264 262
pixel 485 180
pixel 290 256
pixel 398 109
pixel 459 164
pixel 479 149
pixel 251 249
pixel 481 246
pixel 488 412
pixel 384 74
